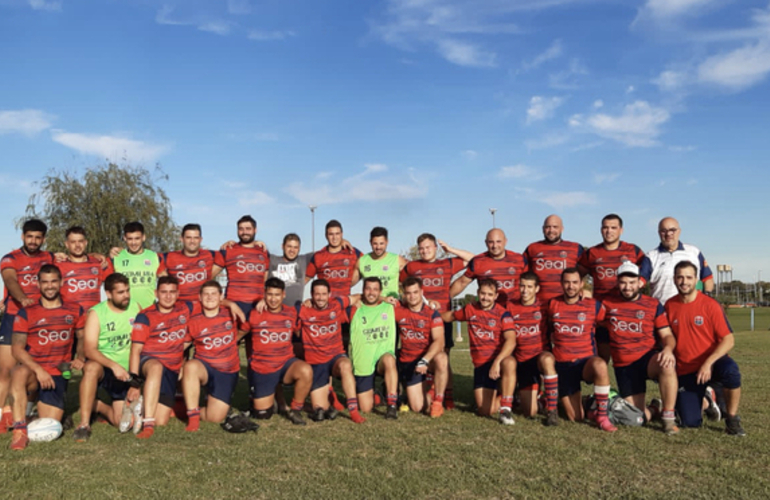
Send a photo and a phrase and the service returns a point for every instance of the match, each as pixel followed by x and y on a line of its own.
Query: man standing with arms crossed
pixel 107 337
pixel 19 270
pixel 549 257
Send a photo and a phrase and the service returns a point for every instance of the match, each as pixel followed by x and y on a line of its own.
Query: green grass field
pixel 457 456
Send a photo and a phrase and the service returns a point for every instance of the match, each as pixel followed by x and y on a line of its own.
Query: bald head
pixel 496 242
pixel 668 230
pixel 552 229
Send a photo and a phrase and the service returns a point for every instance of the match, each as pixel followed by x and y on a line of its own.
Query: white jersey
pixel 663 262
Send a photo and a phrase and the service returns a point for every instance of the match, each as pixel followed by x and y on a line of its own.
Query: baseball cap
pixel 628 268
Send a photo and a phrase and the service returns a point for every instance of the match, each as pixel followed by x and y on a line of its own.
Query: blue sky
pixel 419 115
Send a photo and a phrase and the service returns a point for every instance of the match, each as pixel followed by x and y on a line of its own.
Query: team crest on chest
pixel 384 316
pixel 288 324
pixel 182 319
pixel 69 320
pixel 332 315
pixel 421 324
pixel 147 262
pixel 563 254
pixel 346 262
pixel 640 314
pixel 94 271
pixel 538 316
pixel 439 271
pixel 492 322
pixel 229 325
pixel 581 317
pixel 699 320
pixel 511 270
pixel 201 263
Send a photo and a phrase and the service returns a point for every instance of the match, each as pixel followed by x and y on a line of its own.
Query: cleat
pixel 137 412
pixel 67 423
pixel 605 424
pixel 82 434
pixel 712 410
pixel 552 419
pixel 318 415
pixel 295 417
pixel 146 433
pixel 733 426
pixel 391 413
pixel 656 409
pixel 331 413
pixel 126 419
pixel 436 409
pixel 506 417
pixel 670 428
pixel 19 439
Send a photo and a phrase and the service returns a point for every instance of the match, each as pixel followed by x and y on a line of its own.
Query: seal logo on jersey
pixel 147 262
pixel 538 316
pixel 563 254
pixel 511 270
pixel 332 315
pixel 439 271
pixel 69 320
pixel 288 324
pixel 346 262
pixel 228 325
pixel 367 269
pixel 421 324
pixel 581 317
pixel 640 314
pixel 385 268
pixel 182 320
pixel 201 263
pixel 94 271
pixel 384 316
pixel 492 323
pixel 623 258
pixel 261 257
pixel 699 320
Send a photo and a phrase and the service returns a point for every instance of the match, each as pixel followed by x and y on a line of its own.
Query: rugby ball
pixel 44 430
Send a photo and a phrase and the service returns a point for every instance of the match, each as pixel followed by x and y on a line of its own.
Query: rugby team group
pixel 166 331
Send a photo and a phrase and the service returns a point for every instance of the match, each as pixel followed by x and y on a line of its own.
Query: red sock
pixel 506 402
pixel 392 399
pixel 193 420
pixel 148 428
pixel 297 405
pixel 602 402
pixel 334 400
pixel 449 401
pixel 439 398
pixel 551 392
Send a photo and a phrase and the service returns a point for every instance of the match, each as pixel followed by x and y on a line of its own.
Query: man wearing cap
pixel 632 320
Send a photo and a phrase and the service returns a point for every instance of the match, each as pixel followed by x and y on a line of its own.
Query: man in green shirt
pixel 381 264
pixel 373 347
pixel 141 266
pixel 107 339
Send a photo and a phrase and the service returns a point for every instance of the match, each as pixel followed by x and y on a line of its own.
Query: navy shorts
pixel 365 383
pixel 481 378
pixel 168 382
pixel 116 389
pixel 690 398
pixel 54 397
pixel 220 385
pixel 262 385
pixel 449 339
pixel 602 335
pixel 407 375
pixel 528 373
pixel 570 375
pixel 322 372
pixel 6 329
pixel 632 379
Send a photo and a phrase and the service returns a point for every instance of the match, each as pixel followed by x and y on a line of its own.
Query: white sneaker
pixel 506 417
pixel 126 419
pixel 137 412
pixel 712 410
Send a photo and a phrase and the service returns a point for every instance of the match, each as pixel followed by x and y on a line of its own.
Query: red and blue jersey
pixel 571 328
pixel 215 340
pixel 50 333
pixel 485 330
pixel 246 268
pixel 699 327
pixel 26 267
pixel 192 272
pixel 415 331
pixel 548 260
pixel 632 325
pixel 163 334
pixel 436 277
pixel 531 329
pixel 82 282
pixel 505 271
pixel 336 268
pixel 271 338
pixel 602 265
pixel 321 330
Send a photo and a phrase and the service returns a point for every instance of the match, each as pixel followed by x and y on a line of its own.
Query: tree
pixel 102 201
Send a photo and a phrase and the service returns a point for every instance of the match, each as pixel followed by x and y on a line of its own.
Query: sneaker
pixel 19 440
pixel 146 433
pixel 506 417
pixel 670 428
pixel 126 418
pixel 318 415
pixel 712 410
pixel 391 413
pixel 81 434
pixel 331 413
pixel 436 409
pixel 605 424
pixel 733 426
pixel 137 411
pixel 552 419
pixel 656 409
pixel 295 417
pixel 67 423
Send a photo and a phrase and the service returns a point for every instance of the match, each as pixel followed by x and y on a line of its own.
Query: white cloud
pixel 541 108
pixel 254 199
pixel 470 154
pixel 638 125
pixel 269 36
pixel 520 171
pixel 665 9
pixel 671 80
pixel 682 149
pixel 554 51
pixel 12 184
pixel 371 185
pixel 605 178
pixel 589 145
pixel 598 103
pixel 738 69
pixel 45 5
pixel 110 146
pixel 465 54
pixel 167 15
pixel 568 78
pixel 238 7
pixel 549 141
pixel 216 27
pixel 569 199
pixel 630 89
pixel 25 121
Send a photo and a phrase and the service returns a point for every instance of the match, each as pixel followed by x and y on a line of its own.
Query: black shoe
pixel 81 434
pixel 733 426
pixel 392 412
pixel 67 423
pixel 318 415
pixel 331 413
pixel 295 416
pixel 552 419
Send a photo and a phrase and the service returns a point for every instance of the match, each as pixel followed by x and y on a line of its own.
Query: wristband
pixel 135 380
pixel 422 362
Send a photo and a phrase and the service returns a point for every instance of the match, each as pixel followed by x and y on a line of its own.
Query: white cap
pixel 628 268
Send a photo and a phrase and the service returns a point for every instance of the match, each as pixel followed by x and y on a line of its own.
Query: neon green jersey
pixel 372 335
pixel 142 272
pixel 115 331
pixel 386 268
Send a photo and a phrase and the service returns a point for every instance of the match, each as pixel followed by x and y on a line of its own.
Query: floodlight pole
pixel 312 224
pixel 492 211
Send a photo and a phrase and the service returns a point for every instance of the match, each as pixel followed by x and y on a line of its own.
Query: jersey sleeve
pixel 8 262
pixel 601 312
pixel 456 265
pixel 20 323
pixel 311 269
pixel 436 320
pixel 219 258
pixel 460 315
pixel 661 318
pixel 507 322
pixel 470 270
pixel 161 265
pixel 141 329
pixel 705 270
pixel 81 321
pixel 722 326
